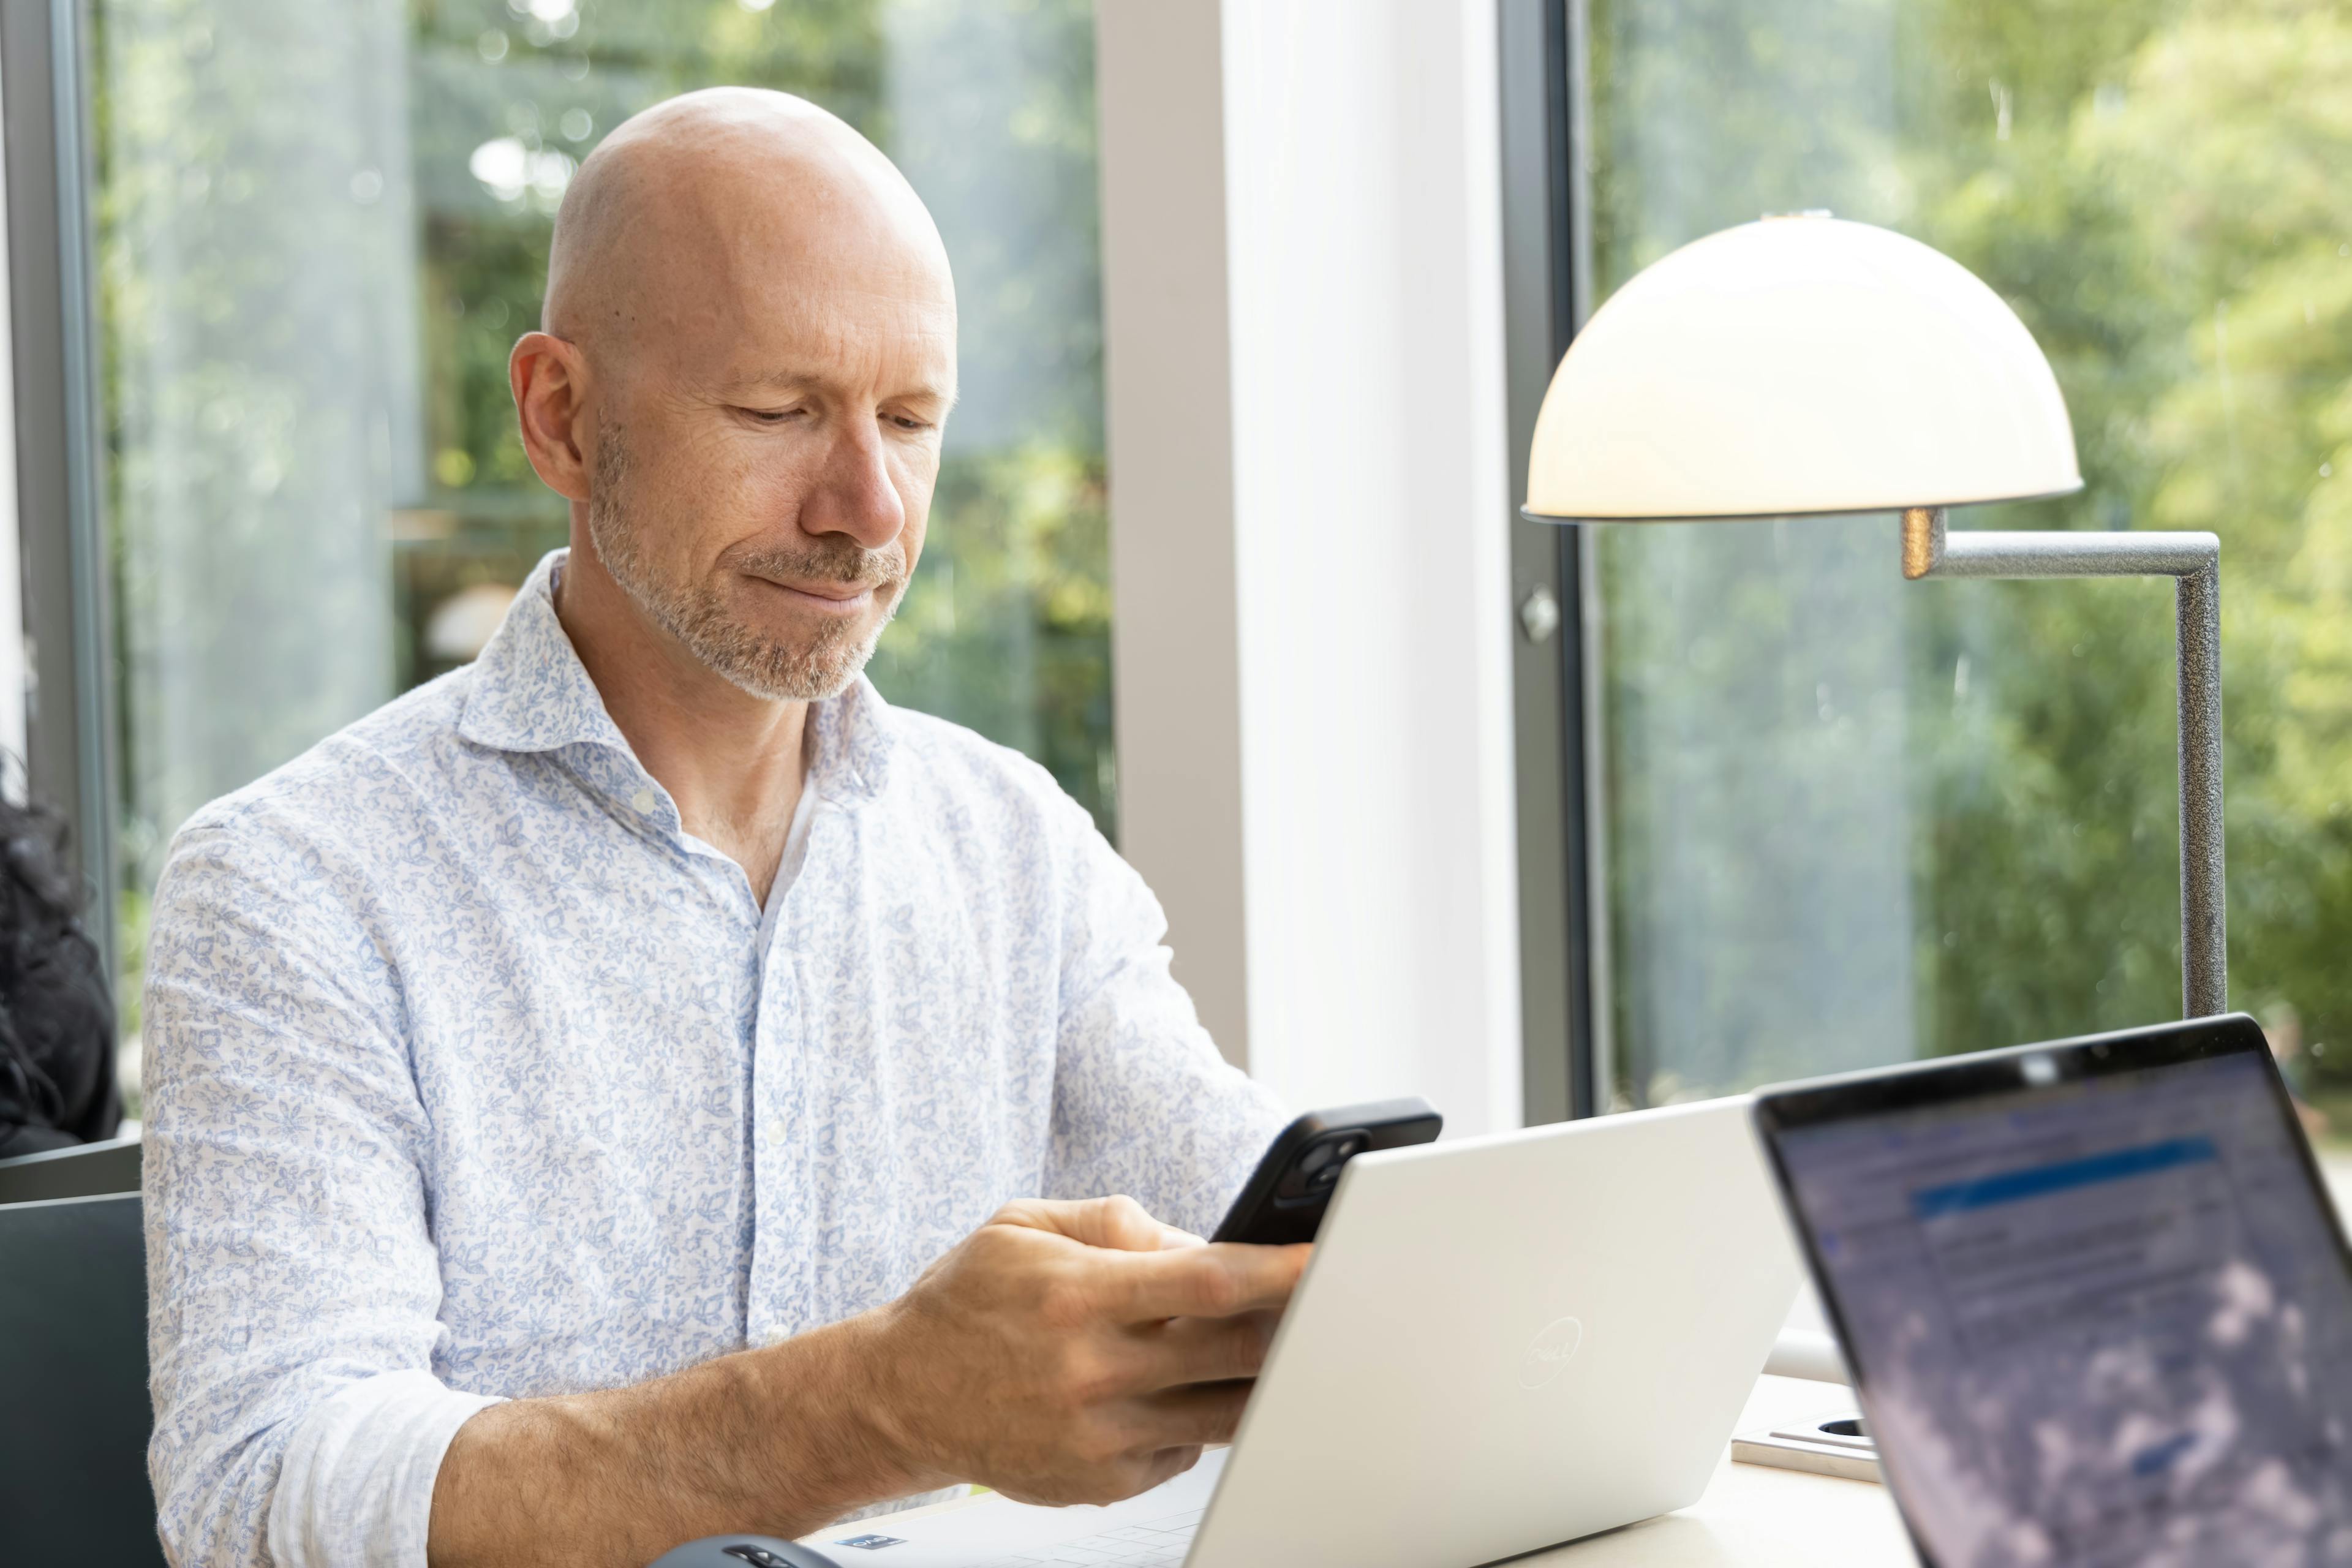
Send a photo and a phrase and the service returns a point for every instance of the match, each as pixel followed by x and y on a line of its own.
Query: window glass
pixel 324 226
pixel 1852 820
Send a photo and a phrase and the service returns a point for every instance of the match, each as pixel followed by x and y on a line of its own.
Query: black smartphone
pixel 1293 1185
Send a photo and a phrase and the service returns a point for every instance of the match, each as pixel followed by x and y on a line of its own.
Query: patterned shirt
pixel 471 1075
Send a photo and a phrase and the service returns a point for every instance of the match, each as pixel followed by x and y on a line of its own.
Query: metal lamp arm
pixel 2194 561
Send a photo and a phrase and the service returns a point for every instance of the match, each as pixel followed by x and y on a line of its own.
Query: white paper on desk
pixel 975 1534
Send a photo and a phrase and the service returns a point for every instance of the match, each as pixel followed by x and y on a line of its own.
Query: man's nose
pixel 853 494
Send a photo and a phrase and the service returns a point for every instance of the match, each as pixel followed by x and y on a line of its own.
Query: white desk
pixel 1754 1516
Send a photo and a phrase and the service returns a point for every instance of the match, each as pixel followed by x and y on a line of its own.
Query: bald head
pixel 747 358
pixel 708 196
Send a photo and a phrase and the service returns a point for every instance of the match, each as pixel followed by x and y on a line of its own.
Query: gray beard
pixel 813 670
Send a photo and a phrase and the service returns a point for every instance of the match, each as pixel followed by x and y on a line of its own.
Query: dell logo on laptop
pixel 1549 1353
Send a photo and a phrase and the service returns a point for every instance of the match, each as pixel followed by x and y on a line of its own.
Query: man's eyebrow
pixel 785 379
pixel 780 380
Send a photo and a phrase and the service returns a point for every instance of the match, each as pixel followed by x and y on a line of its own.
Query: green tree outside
pixel 2155 185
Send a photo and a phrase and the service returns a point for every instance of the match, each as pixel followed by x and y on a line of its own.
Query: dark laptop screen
pixel 2098 1319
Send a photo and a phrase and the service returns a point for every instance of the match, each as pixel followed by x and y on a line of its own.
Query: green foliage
pixel 2155 185
pixel 1007 627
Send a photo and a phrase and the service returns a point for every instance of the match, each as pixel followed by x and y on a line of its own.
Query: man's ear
pixel 549 380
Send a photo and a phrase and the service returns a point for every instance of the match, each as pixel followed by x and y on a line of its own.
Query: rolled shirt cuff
pixel 355 1486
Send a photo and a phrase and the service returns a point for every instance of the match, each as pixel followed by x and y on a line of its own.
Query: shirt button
pixel 643 800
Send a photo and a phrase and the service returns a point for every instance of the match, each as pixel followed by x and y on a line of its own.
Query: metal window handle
pixel 1538 613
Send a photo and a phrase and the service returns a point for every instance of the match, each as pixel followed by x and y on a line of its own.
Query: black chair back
pixel 83 1172
pixel 73 1371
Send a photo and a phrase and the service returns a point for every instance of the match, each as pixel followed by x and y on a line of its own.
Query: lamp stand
pixel 2194 561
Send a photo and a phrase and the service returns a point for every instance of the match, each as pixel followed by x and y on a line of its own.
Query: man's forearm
pixel 1063 1353
pixel 773 1442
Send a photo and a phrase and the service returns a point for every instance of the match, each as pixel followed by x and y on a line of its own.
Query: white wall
pixel 1309 506
pixel 1175 649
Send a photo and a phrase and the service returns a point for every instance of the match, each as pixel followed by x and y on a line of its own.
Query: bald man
pixel 641 1086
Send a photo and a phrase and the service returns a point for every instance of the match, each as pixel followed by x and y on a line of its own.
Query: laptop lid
pixel 2096 1302
pixel 1505 1342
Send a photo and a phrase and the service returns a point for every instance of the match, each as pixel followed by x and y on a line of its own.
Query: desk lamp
pixel 1806 365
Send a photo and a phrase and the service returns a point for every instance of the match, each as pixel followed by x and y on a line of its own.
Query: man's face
pixel 766 445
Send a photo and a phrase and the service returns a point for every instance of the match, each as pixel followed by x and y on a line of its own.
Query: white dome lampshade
pixel 1798 364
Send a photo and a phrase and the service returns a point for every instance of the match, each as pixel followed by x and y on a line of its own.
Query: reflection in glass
pixel 262 378
pixel 1853 820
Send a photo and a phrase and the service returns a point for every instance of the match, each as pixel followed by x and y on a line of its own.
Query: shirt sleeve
pixel 1142 1102
pixel 293 1282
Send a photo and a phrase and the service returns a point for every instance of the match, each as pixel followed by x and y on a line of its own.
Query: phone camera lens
pixel 1320 1164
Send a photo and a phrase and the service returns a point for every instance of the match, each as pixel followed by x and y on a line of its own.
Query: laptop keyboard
pixel 1154 1543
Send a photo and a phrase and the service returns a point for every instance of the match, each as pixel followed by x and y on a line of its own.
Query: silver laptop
pixel 1502 1343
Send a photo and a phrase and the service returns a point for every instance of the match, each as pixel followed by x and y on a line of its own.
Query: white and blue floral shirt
pixel 471 1075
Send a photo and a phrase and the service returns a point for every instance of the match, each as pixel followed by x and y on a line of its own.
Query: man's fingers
pixel 1117 1224
pixel 1202 1413
pixel 1207 1350
pixel 1216 1280
pixel 1170 1463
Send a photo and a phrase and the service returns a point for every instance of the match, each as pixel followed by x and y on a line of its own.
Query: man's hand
pixel 1063 1353
pixel 1074 1353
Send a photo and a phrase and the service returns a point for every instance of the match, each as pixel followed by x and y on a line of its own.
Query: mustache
pixel 828 560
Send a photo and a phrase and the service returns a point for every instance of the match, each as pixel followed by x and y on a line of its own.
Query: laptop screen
pixel 2099 1317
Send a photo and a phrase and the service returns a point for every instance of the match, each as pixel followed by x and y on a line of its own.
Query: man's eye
pixel 908 422
pixel 771 416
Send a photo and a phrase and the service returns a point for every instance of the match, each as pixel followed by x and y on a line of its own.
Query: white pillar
pixel 1304 314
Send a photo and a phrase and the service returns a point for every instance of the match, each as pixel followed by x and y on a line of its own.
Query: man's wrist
pixel 854 1438
pixel 782 1441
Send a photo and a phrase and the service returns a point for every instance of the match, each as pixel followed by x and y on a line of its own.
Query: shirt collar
pixel 529 692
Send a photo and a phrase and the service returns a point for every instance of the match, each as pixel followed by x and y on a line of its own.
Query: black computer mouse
pixel 743 1551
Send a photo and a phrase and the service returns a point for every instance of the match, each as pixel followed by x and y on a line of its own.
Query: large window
pixel 1848 820
pixel 321 228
